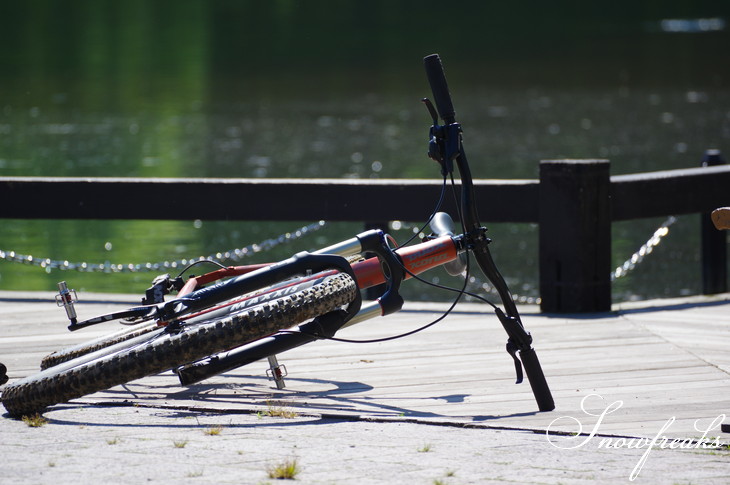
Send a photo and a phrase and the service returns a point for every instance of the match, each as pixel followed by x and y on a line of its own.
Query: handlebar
pixel 446 147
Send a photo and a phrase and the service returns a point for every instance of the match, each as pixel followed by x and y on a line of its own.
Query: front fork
pixel 519 341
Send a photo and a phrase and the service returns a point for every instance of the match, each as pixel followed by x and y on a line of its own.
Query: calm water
pixel 332 89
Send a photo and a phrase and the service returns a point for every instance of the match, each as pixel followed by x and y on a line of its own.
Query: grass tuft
pixel 287 470
pixel 34 420
pixel 276 411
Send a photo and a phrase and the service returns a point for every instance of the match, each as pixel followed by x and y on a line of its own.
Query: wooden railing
pixel 574 203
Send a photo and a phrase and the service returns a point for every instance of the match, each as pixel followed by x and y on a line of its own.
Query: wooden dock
pixel 647 363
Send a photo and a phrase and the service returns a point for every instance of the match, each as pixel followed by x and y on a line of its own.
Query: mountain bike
pixel 233 316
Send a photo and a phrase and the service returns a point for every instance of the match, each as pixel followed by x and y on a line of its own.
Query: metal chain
pixel 238 254
pixel 621 271
pixel 644 250
pixel 231 255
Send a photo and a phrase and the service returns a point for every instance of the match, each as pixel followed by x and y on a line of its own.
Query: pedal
pixel 276 372
pixel 66 299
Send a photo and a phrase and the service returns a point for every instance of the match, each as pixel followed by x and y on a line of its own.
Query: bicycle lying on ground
pixel 236 315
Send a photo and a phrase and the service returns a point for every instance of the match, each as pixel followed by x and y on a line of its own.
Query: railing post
pixel 714 242
pixel 575 236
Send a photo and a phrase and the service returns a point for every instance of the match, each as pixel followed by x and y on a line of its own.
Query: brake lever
pixel 431 110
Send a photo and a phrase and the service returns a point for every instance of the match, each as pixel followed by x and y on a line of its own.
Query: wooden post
pixel 575 236
pixel 714 242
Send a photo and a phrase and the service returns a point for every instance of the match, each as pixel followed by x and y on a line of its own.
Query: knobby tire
pixel 66 382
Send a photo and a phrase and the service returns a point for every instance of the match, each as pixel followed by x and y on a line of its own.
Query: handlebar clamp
pixel 374 241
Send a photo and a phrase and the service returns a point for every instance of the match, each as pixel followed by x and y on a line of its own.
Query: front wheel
pixel 69 353
pixel 161 350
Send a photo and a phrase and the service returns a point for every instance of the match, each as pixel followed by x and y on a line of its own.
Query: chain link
pixel 107 267
pixel 644 250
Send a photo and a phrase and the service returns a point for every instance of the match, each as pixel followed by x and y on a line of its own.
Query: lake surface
pixel 333 89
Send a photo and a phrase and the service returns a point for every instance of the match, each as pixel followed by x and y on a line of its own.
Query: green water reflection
pixel 332 89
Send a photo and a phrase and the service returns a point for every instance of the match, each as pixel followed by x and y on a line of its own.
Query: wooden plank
pixel 667 192
pixel 681 191
pixel 254 199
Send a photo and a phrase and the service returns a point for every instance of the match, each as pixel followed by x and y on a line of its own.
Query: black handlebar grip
pixel 437 80
pixel 537 380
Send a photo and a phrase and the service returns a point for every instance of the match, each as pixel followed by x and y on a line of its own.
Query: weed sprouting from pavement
pixel 180 443
pixel 287 470
pixel 34 420
pixel 277 411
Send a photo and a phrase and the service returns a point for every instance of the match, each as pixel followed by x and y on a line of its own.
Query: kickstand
pixel 276 372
